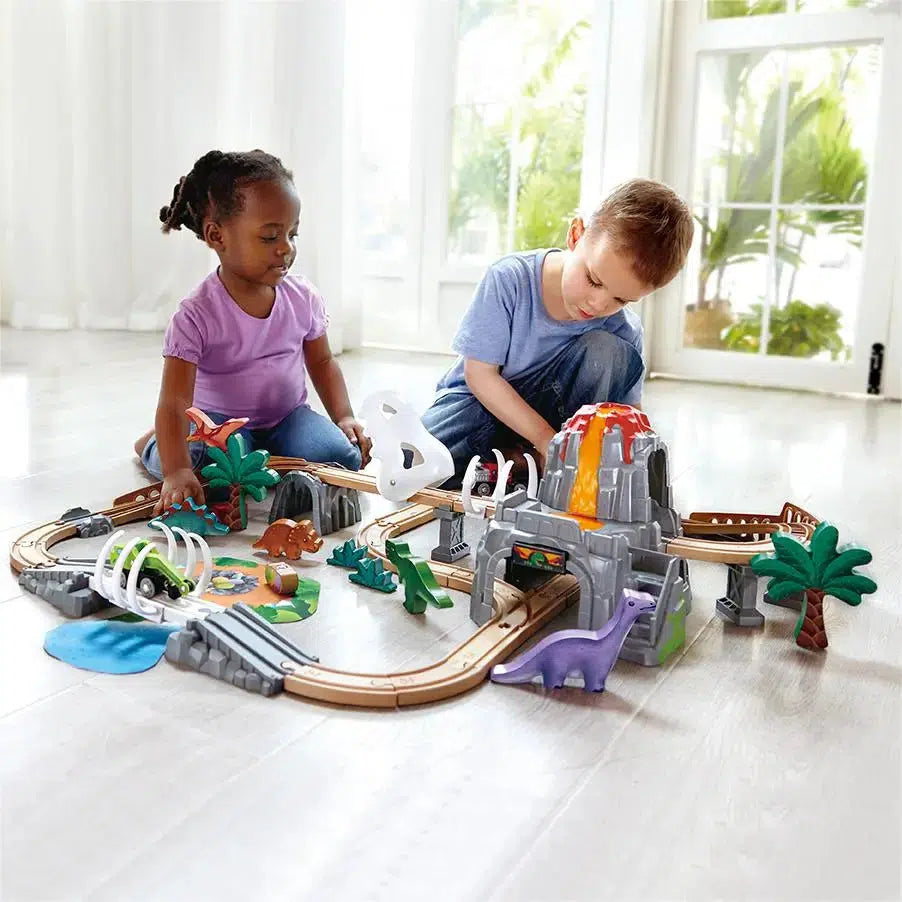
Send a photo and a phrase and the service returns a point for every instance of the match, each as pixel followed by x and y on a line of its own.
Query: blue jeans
pixel 303 433
pixel 597 366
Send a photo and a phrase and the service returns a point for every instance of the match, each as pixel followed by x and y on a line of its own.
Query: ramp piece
pixel 239 646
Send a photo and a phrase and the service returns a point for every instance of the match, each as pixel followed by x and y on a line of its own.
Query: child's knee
pixel 196 450
pixel 355 458
pixel 603 365
pixel 348 456
pixel 597 345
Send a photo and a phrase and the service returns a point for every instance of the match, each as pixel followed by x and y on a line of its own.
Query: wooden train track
pixel 375 533
pixel 32 549
pixel 750 530
pixel 461 670
pixel 733 538
pixel 518 615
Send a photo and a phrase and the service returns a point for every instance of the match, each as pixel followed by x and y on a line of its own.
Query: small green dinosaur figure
pixel 347 555
pixel 420 586
pixel 372 574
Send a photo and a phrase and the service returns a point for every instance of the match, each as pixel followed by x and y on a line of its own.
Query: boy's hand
pixel 353 429
pixel 177 486
pixel 541 446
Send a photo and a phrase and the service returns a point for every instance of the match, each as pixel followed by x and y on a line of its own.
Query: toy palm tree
pixel 243 474
pixel 816 572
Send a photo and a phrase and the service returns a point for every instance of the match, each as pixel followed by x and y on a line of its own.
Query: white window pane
pixel 831 126
pixel 518 125
pixel 806 119
pixel 829 6
pixel 733 9
pixel 729 277
pixel 736 132
pixel 381 47
pixel 478 202
pixel 817 299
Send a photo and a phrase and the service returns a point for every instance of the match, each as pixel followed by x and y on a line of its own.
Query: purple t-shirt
pixel 247 367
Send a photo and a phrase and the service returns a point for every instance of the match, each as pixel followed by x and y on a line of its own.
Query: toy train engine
pixel 157 574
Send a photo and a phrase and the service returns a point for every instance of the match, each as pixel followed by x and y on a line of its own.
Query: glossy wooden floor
pixel 743 769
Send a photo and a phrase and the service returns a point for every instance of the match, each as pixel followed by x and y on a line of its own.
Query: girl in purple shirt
pixel 239 344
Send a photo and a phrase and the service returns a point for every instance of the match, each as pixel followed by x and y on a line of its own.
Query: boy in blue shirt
pixel 549 331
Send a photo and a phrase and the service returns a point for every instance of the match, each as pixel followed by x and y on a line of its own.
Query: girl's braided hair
pixel 213 187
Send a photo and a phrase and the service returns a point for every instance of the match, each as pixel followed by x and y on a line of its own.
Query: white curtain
pixel 104 105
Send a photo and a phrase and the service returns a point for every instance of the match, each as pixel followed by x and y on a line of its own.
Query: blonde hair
pixel 649 222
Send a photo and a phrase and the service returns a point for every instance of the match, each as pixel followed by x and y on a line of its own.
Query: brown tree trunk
pixel 812 633
pixel 233 521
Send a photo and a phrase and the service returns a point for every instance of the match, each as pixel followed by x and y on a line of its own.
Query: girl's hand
pixel 353 429
pixel 177 486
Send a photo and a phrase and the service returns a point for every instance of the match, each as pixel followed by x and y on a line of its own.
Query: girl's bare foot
pixel 141 444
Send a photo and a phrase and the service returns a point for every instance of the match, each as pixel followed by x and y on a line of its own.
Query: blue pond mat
pixel 109 646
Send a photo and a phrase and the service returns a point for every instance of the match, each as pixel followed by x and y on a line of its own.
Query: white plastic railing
pixel 108 583
pixel 478 508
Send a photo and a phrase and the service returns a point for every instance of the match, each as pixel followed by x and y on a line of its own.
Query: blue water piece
pixel 107 646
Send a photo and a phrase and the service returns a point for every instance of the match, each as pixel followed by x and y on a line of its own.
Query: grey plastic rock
pixel 238 646
pixel 66 588
pixel 633 508
pixel 330 507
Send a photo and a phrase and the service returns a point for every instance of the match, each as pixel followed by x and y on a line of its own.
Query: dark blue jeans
pixel 595 367
pixel 303 433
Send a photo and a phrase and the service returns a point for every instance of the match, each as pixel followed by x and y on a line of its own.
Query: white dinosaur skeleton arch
pixel 108 582
pixel 478 508
pixel 396 429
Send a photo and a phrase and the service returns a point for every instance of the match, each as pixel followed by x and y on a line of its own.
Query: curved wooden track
pixel 518 615
pixel 463 669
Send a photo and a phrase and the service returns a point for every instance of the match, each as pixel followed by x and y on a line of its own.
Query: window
pixel 518 125
pixel 784 144
pixel 472 122
pixel 781 127
pixel 381 62
pixel 731 9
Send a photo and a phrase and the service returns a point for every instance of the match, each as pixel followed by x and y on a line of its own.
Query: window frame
pixel 611 153
pixel 696 37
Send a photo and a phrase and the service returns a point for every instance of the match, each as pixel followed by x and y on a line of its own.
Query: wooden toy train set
pixel 599 528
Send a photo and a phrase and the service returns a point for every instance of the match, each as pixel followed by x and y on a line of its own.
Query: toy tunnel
pixel 657 477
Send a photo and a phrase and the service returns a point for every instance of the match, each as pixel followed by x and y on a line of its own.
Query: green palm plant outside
pixel 242 473
pixel 821 165
pixel 550 147
pixel 739 236
pixel 816 571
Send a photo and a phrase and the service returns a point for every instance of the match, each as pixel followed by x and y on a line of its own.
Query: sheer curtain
pixel 103 106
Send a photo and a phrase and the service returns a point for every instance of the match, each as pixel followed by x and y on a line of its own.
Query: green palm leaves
pixel 793 568
pixel 820 570
pixel 235 469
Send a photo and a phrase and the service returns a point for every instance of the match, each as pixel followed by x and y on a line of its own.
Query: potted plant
pixel 796 330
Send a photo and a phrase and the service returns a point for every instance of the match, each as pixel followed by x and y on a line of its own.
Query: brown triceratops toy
pixel 290 538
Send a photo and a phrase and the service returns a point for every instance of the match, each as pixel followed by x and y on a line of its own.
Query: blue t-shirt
pixel 507 324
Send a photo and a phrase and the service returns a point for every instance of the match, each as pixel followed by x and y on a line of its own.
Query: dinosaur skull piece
pixel 407 457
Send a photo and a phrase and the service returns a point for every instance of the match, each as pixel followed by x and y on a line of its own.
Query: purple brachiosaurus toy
pixel 593 653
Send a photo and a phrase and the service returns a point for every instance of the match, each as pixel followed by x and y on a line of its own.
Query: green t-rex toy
pixel 420 586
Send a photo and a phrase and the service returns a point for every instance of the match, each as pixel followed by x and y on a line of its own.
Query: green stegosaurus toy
pixel 347 555
pixel 372 574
